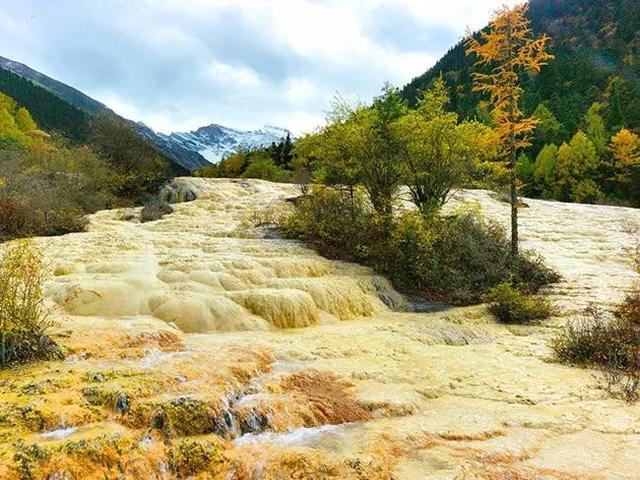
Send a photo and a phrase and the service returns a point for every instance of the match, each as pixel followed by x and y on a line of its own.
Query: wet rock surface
pixel 199 347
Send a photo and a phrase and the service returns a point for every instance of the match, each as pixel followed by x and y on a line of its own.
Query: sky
pixel 178 65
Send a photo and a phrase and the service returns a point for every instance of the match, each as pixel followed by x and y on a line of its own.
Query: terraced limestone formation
pixel 200 346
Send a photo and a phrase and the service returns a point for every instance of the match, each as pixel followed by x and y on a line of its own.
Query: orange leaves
pixel 508 49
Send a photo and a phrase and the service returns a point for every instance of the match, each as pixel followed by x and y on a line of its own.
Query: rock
pixel 175 192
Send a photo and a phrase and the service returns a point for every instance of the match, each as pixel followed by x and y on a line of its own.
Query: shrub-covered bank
pixel 48 185
pixel 455 258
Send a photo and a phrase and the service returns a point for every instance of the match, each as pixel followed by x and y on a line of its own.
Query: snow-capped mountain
pixel 215 142
pixel 190 150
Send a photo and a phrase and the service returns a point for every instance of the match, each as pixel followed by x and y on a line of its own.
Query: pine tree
pixel 509 50
pixel 287 151
pixel 548 130
pixel 545 170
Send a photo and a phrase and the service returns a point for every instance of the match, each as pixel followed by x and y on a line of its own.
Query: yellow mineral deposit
pixel 202 347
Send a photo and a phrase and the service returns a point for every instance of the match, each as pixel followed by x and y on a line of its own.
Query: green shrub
pixel 266 169
pixel 454 259
pixel 511 305
pixel 24 320
pixel 474 255
pixel 337 225
pixel 610 344
pixel 210 171
pixel 138 166
pixel 267 163
pixel 30 216
pixel 629 310
pixel 585 340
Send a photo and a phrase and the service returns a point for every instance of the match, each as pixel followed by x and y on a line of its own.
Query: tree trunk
pixel 514 200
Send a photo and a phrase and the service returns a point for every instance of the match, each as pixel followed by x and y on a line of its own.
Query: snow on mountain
pixel 215 142
pixel 191 150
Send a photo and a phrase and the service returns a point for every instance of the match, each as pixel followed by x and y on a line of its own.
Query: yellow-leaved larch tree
pixel 625 147
pixel 506 53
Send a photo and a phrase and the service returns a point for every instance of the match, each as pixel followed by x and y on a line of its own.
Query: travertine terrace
pixel 202 345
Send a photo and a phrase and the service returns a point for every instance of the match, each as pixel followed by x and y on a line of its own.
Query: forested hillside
pixel 48 183
pixel 587 100
pixel 48 110
pixel 69 94
pixel 57 107
pixel 596 44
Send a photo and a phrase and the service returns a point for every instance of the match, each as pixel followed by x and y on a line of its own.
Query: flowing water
pixel 202 345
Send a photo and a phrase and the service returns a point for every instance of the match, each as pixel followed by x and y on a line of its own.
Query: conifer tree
pixel 595 127
pixel 548 130
pixel 576 166
pixel 508 51
pixel 545 170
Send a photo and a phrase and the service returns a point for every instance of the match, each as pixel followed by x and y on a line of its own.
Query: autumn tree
pixel 11 133
pixel 625 148
pixel 24 122
pixel 504 54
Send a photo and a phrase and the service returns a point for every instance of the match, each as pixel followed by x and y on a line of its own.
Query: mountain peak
pixel 214 141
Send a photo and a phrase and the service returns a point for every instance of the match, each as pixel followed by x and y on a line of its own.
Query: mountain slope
pixel 596 44
pixel 65 92
pixel 57 106
pixel 49 111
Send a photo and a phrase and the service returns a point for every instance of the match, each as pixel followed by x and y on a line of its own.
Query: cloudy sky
pixel 181 64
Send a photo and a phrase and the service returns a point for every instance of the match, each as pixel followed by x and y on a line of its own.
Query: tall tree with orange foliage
pixel 509 51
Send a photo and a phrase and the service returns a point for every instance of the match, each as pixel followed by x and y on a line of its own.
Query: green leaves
pixel 437 152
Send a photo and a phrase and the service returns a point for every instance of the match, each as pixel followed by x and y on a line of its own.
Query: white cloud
pixel 179 64
pixel 228 74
